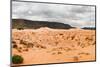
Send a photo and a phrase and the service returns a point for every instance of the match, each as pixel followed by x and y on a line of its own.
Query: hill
pixel 89 28
pixel 24 24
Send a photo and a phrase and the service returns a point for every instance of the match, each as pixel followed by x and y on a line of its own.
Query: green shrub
pixel 17 59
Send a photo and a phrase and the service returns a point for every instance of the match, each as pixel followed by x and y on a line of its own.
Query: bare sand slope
pixel 46 45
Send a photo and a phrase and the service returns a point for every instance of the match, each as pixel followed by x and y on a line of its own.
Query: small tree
pixel 17 59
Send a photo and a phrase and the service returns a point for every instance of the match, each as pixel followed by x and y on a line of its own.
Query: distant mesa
pixel 89 28
pixel 29 24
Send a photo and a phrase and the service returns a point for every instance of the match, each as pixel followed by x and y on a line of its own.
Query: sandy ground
pixel 44 45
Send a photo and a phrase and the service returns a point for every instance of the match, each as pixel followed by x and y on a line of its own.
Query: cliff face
pixel 21 23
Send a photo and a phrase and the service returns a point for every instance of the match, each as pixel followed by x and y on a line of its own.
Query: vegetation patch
pixel 17 59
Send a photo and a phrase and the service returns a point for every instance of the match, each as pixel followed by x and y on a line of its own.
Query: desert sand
pixel 45 45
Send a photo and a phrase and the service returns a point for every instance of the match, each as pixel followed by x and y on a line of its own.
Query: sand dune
pixel 45 45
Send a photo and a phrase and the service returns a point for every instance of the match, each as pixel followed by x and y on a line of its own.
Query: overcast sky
pixel 75 15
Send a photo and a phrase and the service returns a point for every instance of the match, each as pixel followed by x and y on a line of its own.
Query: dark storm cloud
pixel 78 16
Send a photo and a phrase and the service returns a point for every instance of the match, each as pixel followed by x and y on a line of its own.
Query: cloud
pixel 78 16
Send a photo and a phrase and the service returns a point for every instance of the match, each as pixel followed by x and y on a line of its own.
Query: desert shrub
pixel 25 49
pixel 59 52
pixel 29 45
pixel 15 46
pixel 20 47
pixel 26 43
pixel 19 50
pixel 20 28
pixel 17 59
pixel 13 42
pixel 23 42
